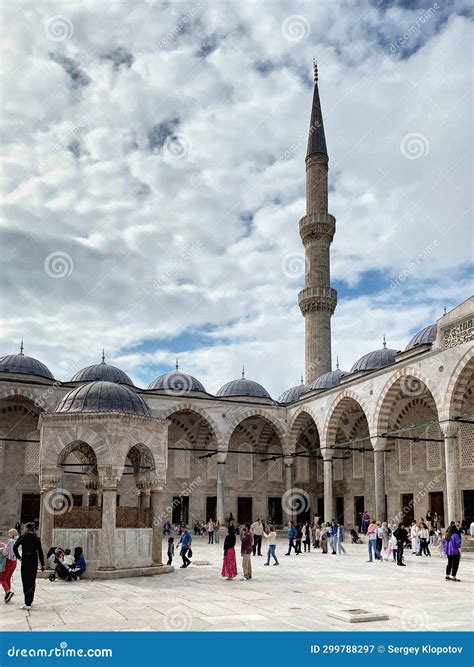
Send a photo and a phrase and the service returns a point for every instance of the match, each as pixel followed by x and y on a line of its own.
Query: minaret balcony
pixel 317 227
pixel 317 299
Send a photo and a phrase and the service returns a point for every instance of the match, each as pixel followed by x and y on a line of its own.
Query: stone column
pixel 451 454
pixel 379 473
pixel 51 498
pixel 287 505
pixel 220 509
pixel 328 496
pixel 107 533
pixel 156 503
pixel 144 498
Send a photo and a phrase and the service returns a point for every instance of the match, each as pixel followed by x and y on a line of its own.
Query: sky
pixel 153 179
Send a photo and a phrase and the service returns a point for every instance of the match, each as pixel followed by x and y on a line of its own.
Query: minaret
pixel 317 300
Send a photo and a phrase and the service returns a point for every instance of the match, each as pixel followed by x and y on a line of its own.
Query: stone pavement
pixel 297 595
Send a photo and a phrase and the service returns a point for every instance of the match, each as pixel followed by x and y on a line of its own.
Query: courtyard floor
pixel 297 595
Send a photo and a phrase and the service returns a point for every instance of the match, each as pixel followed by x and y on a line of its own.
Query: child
pixel 441 544
pixel 393 544
pixel 170 551
pixel 68 558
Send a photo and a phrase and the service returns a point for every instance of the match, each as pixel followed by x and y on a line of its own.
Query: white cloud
pixel 80 178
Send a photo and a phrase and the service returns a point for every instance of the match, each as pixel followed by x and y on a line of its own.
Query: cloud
pixel 161 147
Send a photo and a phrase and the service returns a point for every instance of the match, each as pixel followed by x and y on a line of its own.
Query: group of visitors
pixel 317 535
pixel 25 547
pixel 250 544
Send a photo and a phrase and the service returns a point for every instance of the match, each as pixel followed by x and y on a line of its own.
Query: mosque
pixel 104 463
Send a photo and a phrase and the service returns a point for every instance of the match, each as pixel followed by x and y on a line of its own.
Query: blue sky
pixel 154 179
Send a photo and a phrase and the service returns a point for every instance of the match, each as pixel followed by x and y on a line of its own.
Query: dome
pixel 20 363
pixel 243 387
pixel 328 380
pixel 177 382
pixel 103 396
pixel 293 393
pixel 376 359
pixel 102 371
pixel 424 337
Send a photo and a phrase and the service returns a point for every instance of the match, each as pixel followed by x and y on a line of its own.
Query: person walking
pixel 401 535
pixel 316 534
pixel 217 526
pixel 424 540
pixel 229 564
pixel 31 551
pixel 306 530
pixel 271 536
pixel 453 541
pixel 257 531
pixel 298 538
pixel 365 522
pixel 372 540
pixel 340 539
pixel 10 564
pixel 385 535
pixel 246 551
pixel 415 537
pixel 291 538
pixel 333 533
pixel 170 550
pixel 210 531
pixel 185 541
pixel 324 537
pixel 379 542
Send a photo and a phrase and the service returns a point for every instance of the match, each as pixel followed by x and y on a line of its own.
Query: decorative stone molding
pixel 315 228
pixel 449 429
pixel 327 454
pixel 317 299
pixel 192 407
pixel 288 461
pixel 335 412
pixel 379 444
pixel 458 334
pixel 245 414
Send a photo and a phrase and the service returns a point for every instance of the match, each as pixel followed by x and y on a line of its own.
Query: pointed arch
pixel 191 407
pixel 460 379
pixel 257 412
pixel 302 417
pixel 343 402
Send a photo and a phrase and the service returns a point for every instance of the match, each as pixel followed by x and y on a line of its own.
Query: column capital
pixel 48 482
pixel 327 453
pixel 288 461
pixel 379 444
pixel 221 457
pixel 449 429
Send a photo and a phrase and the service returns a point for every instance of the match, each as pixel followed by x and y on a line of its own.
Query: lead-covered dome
pixel 103 396
pixel 177 382
pixel 375 360
pixel 424 337
pixel 328 380
pixel 20 363
pixel 293 393
pixel 243 387
pixel 104 372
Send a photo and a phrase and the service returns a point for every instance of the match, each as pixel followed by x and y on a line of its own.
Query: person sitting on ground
pixel 68 558
pixel 79 562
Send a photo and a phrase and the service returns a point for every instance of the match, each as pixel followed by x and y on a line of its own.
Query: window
pixel 32 458
pixel 357 464
pixel 433 449
pixel 302 465
pixel 182 460
pixel 337 470
pixel 275 468
pixel 404 456
pixel 245 461
pixel 466 445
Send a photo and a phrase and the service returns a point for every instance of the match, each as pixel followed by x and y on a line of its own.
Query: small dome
pixel 376 359
pixel 293 393
pixel 328 380
pixel 177 382
pixel 104 372
pixel 424 337
pixel 20 363
pixel 243 387
pixel 103 397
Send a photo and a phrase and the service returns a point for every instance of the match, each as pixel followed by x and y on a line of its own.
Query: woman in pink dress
pixel 229 566
pixel 10 564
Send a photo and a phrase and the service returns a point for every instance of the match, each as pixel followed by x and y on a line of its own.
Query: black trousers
pixel 257 545
pixel 424 548
pixel 211 537
pixel 453 564
pixel 291 545
pixel 184 557
pixel 29 569
pixel 399 553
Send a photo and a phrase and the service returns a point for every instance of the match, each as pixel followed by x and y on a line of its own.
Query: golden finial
pixel 315 70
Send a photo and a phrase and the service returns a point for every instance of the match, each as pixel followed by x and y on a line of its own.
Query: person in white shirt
pixel 424 535
pixel 257 530
pixel 415 538
pixel 271 536
pixel 210 531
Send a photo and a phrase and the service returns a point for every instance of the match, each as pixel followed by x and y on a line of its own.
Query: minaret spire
pixel 317 300
pixel 103 356
pixel 21 346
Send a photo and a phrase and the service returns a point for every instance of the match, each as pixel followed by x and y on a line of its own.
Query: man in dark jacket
pixel 246 539
pixel 401 535
pixel 30 552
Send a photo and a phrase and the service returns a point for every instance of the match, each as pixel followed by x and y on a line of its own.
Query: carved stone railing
pixel 79 517
pixel 134 517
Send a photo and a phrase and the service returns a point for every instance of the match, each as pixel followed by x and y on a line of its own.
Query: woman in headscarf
pixel 229 566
